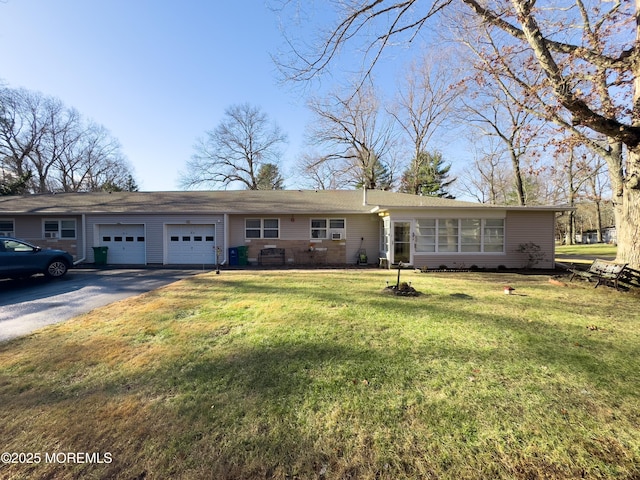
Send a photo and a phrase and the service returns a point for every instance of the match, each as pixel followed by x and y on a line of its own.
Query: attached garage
pixel 191 244
pixel 126 243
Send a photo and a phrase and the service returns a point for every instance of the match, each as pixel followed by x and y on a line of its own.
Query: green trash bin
pixel 243 254
pixel 100 255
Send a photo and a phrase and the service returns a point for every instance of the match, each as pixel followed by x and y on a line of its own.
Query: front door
pixel 401 242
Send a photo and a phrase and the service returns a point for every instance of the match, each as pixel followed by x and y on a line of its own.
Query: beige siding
pixel 535 227
pixel 365 227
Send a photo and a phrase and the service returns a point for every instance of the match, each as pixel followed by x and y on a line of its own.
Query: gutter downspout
pixel 364 195
pixel 226 239
pixel 84 242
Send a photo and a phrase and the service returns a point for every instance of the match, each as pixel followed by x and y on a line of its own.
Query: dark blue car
pixel 19 259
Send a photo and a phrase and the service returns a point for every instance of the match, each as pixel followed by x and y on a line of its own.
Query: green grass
pixel 595 249
pixel 311 374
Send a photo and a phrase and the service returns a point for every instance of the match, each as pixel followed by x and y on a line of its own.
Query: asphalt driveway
pixel 28 305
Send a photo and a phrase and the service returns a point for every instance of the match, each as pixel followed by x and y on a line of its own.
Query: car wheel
pixel 56 269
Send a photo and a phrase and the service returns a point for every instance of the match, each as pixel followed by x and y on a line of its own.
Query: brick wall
pixel 300 252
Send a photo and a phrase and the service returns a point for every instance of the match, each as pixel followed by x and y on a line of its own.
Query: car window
pixel 13 246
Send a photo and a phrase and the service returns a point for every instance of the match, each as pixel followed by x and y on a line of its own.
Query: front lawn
pixel 318 375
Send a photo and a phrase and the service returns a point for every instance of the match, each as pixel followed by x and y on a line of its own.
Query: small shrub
pixel 442 267
pixel 533 252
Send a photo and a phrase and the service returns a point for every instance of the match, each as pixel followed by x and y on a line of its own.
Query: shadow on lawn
pixel 231 406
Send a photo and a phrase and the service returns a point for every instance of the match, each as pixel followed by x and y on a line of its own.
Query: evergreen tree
pixel 129 185
pixel 15 186
pixel 269 177
pixel 427 175
pixel 378 177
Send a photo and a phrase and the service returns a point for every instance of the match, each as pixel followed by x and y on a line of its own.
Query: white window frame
pixel 58 234
pixel 328 227
pixel 12 231
pixel 263 227
pixel 437 238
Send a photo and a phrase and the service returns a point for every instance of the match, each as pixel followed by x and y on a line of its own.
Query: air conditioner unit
pixel 50 234
pixel 337 234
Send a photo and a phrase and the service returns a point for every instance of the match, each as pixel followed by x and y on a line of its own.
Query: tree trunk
pixel 571 229
pixel 598 220
pixel 628 226
pixel 517 177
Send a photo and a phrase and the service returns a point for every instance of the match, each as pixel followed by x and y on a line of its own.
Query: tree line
pixel 46 146
pixel 567 68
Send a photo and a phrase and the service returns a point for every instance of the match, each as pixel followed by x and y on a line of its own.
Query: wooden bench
pixel 271 256
pixel 602 271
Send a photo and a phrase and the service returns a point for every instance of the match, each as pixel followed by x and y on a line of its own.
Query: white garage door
pixel 191 244
pixel 127 244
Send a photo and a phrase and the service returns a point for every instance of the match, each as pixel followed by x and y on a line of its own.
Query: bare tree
pixel 585 57
pixel 322 174
pixel 235 150
pixel 358 139
pixel 54 147
pixel 495 115
pixel 597 185
pixel 424 101
pixel 94 162
pixel 487 179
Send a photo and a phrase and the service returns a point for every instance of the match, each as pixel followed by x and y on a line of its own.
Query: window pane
pixel 50 226
pixel 425 235
pixel 318 223
pixel 319 228
pixel 336 223
pixel 270 223
pixel 471 235
pixel 253 228
pixel 448 235
pixel 494 222
pixel 494 235
pixel 68 233
pixel 425 244
pixel 271 234
pixel 6 226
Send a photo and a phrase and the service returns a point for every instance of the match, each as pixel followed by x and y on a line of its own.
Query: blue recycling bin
pixel 233 256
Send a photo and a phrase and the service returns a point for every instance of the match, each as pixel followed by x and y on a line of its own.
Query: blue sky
pixel 157 74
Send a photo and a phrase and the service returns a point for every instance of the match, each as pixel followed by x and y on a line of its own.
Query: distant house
pixel 609 235
pixel 313 227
